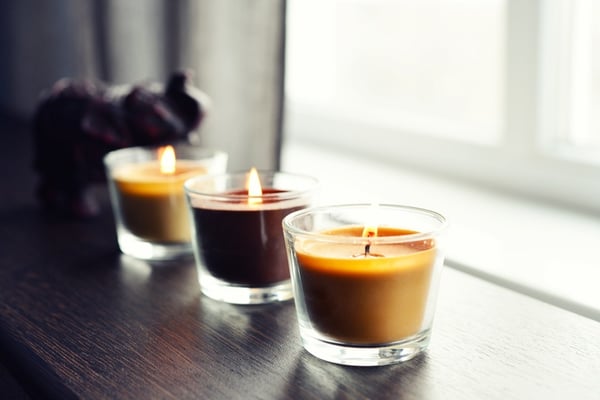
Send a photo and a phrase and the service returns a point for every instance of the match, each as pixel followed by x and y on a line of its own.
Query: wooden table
pixel 79 320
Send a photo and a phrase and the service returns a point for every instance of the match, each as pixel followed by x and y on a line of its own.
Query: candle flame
pixel 166 155
pixel 254 187
pixel 369 231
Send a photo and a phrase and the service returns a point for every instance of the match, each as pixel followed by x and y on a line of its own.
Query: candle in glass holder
pixel 238 241
pixel 148 197
pixel 365 293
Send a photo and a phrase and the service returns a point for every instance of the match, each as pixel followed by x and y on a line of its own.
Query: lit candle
pixel 371 294
pixel 365 292
pixel 151 197
pixel 148 195
pixel 239 245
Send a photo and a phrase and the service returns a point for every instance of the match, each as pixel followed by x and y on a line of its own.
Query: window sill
pixel 531 247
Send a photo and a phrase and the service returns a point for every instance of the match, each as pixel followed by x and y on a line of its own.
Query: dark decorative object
pixel 78 121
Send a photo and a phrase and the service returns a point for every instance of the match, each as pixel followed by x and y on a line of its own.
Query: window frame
pixel 527 161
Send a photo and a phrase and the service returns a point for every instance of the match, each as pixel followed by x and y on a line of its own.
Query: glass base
pixel 365 356
pixel 135 247
pixel 238 294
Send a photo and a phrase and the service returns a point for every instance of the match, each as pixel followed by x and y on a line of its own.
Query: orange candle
pixel 148 198
pixel 368 294
pixel 152 202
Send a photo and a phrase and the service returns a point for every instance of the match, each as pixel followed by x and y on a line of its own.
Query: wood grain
pixel 79 319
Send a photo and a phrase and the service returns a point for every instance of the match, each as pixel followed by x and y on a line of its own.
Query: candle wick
pixel 368 253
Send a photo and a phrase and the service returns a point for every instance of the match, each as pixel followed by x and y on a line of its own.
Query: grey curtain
pixel 235 49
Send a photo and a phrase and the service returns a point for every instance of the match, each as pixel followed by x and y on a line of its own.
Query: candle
pixel 238 241
pixel 365 292
pixel 362 298
pixel 244 244
pixel 152 203
pixel 148 196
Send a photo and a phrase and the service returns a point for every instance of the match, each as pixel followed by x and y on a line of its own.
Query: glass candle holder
pixel 149 205
pixel 238 242
pixel 365 280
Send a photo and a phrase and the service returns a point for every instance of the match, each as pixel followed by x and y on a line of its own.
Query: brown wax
pixel 243 243
pixel 366 300
pixel 152 203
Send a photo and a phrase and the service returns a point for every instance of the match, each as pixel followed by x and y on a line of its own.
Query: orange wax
pixel 366 300
pixel 153 203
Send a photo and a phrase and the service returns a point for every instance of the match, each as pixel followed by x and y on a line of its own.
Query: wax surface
pixel 366 300
pixel 153 204
pixel 244 245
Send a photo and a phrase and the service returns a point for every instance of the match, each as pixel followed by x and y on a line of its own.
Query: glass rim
pixel 312 184
pixel 153 149
pixel 411 237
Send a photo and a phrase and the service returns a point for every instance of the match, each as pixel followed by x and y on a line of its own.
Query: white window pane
pixel 430 66
pixel 592 136
pixel 578 58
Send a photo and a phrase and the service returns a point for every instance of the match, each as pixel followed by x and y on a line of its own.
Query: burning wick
pixel 166 155
pixel 254 188
pixel 369 232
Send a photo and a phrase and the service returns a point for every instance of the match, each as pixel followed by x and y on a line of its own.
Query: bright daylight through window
pixel 501 92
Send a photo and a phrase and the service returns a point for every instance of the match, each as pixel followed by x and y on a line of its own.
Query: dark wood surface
pixel 79 320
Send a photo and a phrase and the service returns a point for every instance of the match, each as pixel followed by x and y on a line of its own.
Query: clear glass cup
pixel 238 242
pixel 150 210
pixel 365 280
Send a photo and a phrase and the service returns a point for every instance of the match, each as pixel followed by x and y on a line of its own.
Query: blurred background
pixel 234 49
pixel 509 89
pixel 502 93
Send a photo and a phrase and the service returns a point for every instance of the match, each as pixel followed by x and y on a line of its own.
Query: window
pixel 573 68
pixel 501 92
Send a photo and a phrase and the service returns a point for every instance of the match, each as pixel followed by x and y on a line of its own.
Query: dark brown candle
pixel 238 237
pixel 243 243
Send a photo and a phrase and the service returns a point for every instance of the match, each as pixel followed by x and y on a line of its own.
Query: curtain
pixel 234 48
